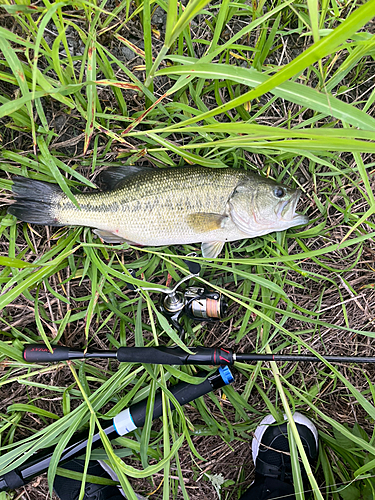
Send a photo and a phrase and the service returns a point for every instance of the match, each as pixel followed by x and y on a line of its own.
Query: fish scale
pixel 152 209
pixel 166 206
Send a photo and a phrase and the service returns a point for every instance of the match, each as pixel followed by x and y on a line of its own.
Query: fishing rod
pixel 124 422
pixel 162 355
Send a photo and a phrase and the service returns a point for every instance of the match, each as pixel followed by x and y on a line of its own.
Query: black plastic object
pixel 39 353
pixel 39 463
pixel 193 266
pixel 160 355
pixel 183 392
pixel 130 285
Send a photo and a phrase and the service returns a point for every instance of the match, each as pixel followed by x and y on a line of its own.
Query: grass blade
pixel 91 92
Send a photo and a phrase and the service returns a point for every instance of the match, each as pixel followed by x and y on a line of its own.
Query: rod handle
pixel 135 416
pixel 39 353
pixel 162 355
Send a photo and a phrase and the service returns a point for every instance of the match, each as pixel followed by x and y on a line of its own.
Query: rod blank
pixel 304 357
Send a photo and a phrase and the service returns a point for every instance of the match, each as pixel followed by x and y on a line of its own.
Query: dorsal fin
pixel 110 177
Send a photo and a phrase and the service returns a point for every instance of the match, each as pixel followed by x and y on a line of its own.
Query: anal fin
pixel 109 237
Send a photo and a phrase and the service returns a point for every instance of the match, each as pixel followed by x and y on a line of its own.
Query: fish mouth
pixel 286 210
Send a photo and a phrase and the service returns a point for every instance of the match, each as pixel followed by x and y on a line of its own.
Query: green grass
pixel 284 87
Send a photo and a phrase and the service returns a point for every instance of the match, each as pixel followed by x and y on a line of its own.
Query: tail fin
pixel 35 201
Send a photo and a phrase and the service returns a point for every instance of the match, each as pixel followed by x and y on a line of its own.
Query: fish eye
pixel 279 192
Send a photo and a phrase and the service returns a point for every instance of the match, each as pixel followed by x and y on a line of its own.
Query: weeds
pixel 286 88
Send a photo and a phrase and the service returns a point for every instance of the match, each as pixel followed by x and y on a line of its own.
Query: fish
pixel 166 206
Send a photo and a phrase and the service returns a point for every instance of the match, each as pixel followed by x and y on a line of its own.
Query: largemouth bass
pixel 153 207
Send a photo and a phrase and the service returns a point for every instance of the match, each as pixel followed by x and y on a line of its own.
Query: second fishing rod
pixel 124 422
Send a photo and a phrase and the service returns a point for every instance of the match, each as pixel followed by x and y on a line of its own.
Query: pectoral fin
pixel 212 249
pixel 108 237
pixel 203 223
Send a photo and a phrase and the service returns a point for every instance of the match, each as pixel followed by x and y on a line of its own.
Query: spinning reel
pixel 198 303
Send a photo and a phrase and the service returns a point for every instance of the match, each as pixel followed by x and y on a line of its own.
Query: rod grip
pixel 183 392
pixel 39 353
pixel 162 355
